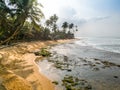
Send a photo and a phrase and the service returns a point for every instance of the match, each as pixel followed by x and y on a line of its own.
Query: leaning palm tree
pixel 15 13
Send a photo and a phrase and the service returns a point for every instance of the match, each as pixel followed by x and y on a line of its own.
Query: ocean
pixel 94 61
pixel 111 44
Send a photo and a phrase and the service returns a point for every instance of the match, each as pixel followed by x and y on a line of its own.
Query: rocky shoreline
pixel 69 70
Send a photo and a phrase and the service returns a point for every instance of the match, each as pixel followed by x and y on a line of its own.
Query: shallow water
pixel 101 69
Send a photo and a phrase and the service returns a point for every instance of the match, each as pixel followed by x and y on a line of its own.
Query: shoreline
pixel 20 71
pixel 93 68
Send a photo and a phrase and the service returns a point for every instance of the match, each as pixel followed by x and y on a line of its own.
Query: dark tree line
pixel 20 20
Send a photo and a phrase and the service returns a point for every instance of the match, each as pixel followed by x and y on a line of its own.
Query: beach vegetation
pixel 65 26
pixel 20 20
pixel 14 15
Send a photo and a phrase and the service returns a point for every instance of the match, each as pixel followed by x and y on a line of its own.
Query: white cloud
pixel 104 27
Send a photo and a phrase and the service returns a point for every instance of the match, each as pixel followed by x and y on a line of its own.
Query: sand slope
pixel 18 70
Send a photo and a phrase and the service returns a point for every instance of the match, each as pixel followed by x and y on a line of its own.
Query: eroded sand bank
pixel 18 70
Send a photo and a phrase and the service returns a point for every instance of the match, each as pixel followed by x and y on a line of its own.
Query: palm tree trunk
pixel 17 29
pixel 19 22
pixel 13 35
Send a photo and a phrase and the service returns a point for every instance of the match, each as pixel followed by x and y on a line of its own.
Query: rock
pixel 115 76
pixel 89 87
pixel 96 69
pixel 55 82
pixel 97 62
pixel 69 70
pixel 65 58
pixel 96 59
pixel 118 65
pixel 74 83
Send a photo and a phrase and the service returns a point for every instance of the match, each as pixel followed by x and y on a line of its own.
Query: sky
pixel 93 17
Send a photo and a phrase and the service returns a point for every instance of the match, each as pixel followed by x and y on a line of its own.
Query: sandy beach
pixel 19 70
pixel 93 69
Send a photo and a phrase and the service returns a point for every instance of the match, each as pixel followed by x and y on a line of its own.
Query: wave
pixel 107 44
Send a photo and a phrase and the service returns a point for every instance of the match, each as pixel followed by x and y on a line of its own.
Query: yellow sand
pixel 18 68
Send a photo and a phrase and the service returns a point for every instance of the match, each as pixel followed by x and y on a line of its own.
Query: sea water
pixel 111 44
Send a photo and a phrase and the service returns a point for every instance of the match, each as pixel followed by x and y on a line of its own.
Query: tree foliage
pixel 51 22
pixel 65 26
pixel 71 26
pixel 13 16
pixel 20 20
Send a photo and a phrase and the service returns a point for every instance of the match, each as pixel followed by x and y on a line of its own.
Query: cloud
pixel 70 15
pixel 82 21
pixel 108 26
pixel 76 21
pixel 67 12
pixel 100 18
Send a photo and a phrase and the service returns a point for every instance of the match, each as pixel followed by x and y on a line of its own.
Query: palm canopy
pixel 71 26
pixel 14 13
pixel 65 25
pixel 53 19
pixel 51 22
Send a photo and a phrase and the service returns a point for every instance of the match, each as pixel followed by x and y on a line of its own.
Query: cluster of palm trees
pixel 67 30
pixel 70 26
pixel 14 14
pixel 20 19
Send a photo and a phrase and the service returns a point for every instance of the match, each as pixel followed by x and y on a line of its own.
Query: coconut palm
pixel 15 13
pixel 71 26
pixel 76 28
pixel 51 23
pixel 65 26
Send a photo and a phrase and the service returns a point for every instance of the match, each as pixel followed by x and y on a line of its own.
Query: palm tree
pixel 15 13
pixel 54 18
pixel 65 26
pixel 76 28
pixel 47 23
pixel 71 26
pixel 51 23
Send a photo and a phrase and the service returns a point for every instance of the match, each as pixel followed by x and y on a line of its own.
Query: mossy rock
pixel 55 82
pixel 43 52
pixel 74 83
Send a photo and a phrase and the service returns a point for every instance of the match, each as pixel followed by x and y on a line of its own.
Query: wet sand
pixel 94 69
pixel 18 70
